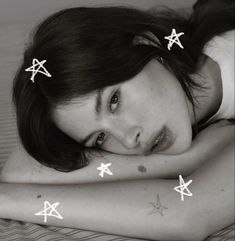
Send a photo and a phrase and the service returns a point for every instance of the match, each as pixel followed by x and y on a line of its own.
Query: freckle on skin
pixel 39 196
pixel 142 169
pixel 222 190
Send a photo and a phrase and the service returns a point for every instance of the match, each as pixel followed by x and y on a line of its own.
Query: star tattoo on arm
pixel 157 207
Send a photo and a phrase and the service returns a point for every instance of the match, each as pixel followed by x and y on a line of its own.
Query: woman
pixel 117 87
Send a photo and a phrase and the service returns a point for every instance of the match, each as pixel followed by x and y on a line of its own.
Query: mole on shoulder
pixel 142 168
pixel 39 196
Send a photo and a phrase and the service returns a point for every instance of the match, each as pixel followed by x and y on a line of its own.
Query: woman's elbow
pixel 8 174
pixel 14 169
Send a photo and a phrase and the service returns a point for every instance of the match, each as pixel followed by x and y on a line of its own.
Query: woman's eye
pixel 114 101
pixel 100 139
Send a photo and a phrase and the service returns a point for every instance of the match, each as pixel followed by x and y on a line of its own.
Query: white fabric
pixel 221 49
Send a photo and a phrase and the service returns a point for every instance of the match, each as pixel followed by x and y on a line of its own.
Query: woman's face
pixel 147 114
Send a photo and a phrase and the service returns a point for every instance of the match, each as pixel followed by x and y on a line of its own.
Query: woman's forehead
pixel 75 118
pixel 74 104
pixel 73 110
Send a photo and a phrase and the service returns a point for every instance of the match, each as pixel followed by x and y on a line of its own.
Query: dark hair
pixel 89 49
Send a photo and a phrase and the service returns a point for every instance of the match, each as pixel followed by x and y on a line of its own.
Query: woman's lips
pixel 165 140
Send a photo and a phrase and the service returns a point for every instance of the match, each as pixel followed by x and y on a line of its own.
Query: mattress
pixel 11 45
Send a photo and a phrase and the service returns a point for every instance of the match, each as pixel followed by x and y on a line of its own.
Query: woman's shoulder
pixel 222 44
pixel 227 37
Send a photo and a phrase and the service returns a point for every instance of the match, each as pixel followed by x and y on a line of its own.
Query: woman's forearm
pixel 144 208
pixel 123 208
pixel 21 168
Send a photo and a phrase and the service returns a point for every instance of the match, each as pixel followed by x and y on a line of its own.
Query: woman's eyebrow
pixel 98 106
pixel 98 101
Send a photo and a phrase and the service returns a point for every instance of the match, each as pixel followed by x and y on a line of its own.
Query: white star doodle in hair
pixel 183 186
pixel 104 169
pixel 174 38
pixel 37 67
pixel 157 206
pixel 49 210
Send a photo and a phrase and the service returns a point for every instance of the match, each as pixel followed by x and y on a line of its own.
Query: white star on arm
pixel 104 169
pixel 174 38
pixel 182 187
pixel 35 68
pixel 49 210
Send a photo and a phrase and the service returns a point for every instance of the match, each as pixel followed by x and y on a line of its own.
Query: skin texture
pixel 132 113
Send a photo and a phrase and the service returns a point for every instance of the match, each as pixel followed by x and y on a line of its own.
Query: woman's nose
pixel 131 138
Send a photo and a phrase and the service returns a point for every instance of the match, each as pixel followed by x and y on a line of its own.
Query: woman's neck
pixel 208 99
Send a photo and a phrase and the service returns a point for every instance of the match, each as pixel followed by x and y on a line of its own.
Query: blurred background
pixel 16 11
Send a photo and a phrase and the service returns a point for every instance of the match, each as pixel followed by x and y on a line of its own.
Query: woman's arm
pixel 21 168
pixel 149 209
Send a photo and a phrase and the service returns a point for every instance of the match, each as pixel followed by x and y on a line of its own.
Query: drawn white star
pixel 183 186
pixel 157 206
pixel 174 38
pixel 35 68
pixel 104 169
pixel 50 208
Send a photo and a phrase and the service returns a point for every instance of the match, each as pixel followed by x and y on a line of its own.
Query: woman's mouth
pixel 163 141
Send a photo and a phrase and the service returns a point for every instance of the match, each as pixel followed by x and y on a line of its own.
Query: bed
pixel 12 39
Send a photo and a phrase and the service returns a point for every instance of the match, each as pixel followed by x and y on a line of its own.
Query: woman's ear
pixel 139 39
